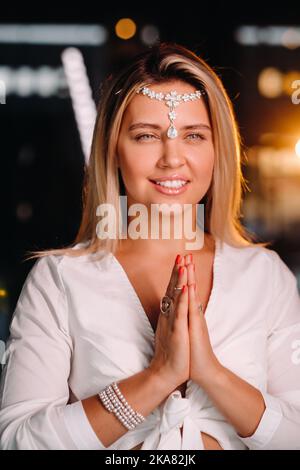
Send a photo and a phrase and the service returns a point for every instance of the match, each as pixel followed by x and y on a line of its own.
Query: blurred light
pixel 84 35
pixel 24 211
pixel 6 77
pixel 81 96
pixel 46 81
pixel 274 161
pixel 246 35
pixel 3 293
pixel 297 148
pixel 149 34
pixel 270 82
pixel 2 92
pixel 268 36
pixel 25 81
pixel 125 28
pixel 291 38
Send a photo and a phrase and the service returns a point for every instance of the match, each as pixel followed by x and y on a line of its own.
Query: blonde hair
pixel 102 182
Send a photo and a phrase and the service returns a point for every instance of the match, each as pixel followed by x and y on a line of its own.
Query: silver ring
pixel 166 303
pixel 178 288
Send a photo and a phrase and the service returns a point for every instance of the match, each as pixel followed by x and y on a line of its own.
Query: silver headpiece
pixel 172 100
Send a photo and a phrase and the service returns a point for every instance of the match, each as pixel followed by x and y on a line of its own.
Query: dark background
pixel 41 156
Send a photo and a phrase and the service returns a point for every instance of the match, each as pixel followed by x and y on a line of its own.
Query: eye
pixel 142 137
pixel 196 136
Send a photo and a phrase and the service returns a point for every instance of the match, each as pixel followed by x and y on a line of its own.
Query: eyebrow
pixel 139 125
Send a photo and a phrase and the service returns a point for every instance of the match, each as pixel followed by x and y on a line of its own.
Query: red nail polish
pixel 178 259
pixel 191 257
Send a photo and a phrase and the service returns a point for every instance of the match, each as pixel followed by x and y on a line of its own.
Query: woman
pixel 127 342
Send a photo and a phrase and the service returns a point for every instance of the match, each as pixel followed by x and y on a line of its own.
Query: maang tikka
pixel 172 100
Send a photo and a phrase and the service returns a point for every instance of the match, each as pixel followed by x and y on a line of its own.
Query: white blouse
pixel 79 325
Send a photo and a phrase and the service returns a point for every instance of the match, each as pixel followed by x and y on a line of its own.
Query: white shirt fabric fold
pixel 79 325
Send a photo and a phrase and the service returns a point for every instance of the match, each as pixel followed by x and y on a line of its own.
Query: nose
pixel 171 156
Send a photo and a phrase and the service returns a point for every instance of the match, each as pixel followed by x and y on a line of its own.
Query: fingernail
pixel 178 259
pixel 191 257
pixel 181 270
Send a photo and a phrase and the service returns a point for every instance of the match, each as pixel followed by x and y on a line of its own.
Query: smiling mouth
pixel 175 184
pixel 161 187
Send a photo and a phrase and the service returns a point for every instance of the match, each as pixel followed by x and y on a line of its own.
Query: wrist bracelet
pixel 114 402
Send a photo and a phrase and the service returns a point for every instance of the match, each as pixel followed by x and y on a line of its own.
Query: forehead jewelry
pixel 172 100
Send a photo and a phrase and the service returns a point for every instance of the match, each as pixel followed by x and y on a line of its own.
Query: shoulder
pixel 255 264
pixel 47 271
pixel 255 257
pixel 262 271
pixel 257 272
pixel 55 265
pixel 73 277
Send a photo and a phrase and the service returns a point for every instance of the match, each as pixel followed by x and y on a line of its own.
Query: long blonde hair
pixel 102 182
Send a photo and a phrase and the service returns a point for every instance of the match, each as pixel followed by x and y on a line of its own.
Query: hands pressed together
pixel 183 352
pixel 203 362
pixel 182 345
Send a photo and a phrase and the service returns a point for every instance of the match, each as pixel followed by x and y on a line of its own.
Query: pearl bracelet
pixel 114 402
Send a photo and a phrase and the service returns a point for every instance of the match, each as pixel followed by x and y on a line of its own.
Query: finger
pixel 191 277
pixel 181 311
pixel 175 294
pixel 188 258
pixel 171 291
pixel 195 306
pixel 174 275
pixel 178 277
pixel 180 282
pixel 180 302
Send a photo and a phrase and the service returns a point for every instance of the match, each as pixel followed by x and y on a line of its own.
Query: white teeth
pixel 172 184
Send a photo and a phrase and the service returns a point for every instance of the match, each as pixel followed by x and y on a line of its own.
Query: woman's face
pixel 145 153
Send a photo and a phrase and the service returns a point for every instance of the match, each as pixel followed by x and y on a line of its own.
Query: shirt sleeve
pixel 279 427
pixel 34 390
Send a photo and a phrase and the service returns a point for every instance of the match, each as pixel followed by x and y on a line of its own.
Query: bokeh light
pixel 270 82
pixel 125 28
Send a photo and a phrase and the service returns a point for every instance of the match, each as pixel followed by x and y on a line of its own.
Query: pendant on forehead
pixel 172 132
pixel 172 100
